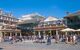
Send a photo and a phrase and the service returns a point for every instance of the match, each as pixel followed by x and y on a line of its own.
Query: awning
pixel 67 30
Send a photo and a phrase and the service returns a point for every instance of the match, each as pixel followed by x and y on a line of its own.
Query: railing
pixel 50 26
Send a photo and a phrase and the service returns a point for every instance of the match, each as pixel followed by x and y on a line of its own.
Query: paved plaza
pixel 38 46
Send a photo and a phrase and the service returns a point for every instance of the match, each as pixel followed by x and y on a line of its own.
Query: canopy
pixel 67 30
pixel 78 30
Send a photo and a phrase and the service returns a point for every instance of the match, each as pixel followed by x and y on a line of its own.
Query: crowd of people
pixel 43 39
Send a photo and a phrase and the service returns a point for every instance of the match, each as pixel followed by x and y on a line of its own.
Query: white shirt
pixel 74 37
pixel 10 37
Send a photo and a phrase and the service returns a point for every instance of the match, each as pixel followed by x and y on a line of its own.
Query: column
pixel 50 32
pixel 56 32
pixel 34 37
pixel 10 34
pixel 1 36
pixel 78 33
pixel 44 34
pixel 34 32
pixel 20 34
pixel 4 34
pixel 39 34
pixel 16 34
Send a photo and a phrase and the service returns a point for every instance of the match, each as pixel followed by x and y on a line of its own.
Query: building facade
pixel 73 20
pixel 28 22
pixel 41 26
pixel 8 24
pixel 50 26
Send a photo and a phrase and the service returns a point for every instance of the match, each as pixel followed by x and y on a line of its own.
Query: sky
pixel 55 8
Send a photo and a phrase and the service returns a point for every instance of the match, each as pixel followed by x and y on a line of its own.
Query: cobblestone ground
pixel 38 46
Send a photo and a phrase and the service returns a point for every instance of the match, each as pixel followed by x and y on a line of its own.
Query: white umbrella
pixel 78 30
pixel 67 30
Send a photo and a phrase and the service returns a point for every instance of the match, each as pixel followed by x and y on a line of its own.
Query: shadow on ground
pixel 1 48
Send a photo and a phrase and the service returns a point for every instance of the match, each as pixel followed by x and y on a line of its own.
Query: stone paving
pixel 38 46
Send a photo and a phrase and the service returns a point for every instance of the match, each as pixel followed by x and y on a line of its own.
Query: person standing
pixel 74 39
pixel 56 38
pixel 11 39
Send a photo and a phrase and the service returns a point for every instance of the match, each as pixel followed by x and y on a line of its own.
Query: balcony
pixel 49 27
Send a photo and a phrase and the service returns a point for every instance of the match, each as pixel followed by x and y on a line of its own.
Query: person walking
pixel 48 40
pixel 11 40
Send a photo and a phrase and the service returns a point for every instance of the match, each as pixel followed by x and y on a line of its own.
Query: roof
pixel 73 14
pixel 50 18
pixel 31 16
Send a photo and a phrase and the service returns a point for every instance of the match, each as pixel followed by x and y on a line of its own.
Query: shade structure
pixel 68 30
pixel 78 30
